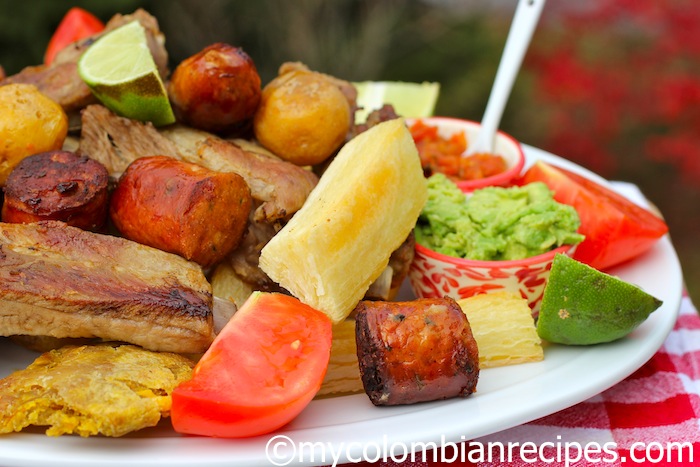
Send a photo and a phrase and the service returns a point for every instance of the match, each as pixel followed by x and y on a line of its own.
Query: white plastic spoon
pixel 527 14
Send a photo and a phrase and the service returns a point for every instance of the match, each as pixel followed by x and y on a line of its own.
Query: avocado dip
pixel 494 223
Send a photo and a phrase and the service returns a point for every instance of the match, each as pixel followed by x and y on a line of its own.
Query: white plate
pixel 506 397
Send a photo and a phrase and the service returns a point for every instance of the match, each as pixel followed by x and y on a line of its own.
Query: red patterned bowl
pixel 433 275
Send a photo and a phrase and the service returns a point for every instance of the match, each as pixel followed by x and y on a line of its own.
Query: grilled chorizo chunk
pixel 181 208
pixel 217 89
pixel 57 185
pixel 415 351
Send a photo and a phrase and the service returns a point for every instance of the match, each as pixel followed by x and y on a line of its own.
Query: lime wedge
pixel 583 306
pixel 411 100
pixel 120 71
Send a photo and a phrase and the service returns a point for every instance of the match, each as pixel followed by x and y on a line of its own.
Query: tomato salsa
pixel 444 155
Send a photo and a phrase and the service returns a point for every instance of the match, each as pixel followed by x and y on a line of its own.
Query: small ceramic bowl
pixel 434 275
pixel 505 145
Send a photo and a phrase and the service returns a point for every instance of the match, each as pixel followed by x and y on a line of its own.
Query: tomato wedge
pixel 76 24
pixel 616 229
pixel 260 372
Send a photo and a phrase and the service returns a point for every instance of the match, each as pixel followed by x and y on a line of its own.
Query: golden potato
pixel 30 123
pixel 303 117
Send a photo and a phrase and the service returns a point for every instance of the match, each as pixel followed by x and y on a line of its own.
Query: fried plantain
pixel 92 389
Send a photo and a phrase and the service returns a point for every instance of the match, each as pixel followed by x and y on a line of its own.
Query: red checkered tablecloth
pixel 650 418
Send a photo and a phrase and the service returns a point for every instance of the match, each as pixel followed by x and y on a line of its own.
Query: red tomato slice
pixel 260 372
pixel 76 24
pixel 616 229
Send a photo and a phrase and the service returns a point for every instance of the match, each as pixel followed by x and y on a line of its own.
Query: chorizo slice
pixel 181 208
pixel 415 351
pixel 57 185
pixel 218 89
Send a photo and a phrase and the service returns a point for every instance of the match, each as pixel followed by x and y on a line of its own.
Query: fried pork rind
pixel 88 390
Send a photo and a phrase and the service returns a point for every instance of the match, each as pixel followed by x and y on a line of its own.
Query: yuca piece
pixel 504 329
pixel 363 208
pixel 415 351
pixel 61 281
pixel 90 390
pixel 343 374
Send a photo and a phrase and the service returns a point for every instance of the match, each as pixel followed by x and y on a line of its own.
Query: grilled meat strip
pixel 116 141
pixel 61 281
pixel 60 80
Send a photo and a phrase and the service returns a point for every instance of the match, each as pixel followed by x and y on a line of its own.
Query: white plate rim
pixel 558 383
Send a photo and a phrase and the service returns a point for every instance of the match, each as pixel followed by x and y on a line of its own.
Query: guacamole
pixel 494 224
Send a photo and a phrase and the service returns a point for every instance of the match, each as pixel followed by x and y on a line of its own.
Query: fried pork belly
pixel 61 281
pixel 281 186
pixel 116 141
pixel 61 81
pixel 400 261
pixel 244 260
pixel 88 390
pixel 375 117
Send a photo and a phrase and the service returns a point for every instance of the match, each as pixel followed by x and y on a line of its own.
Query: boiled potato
pixel 30 123
pixel 303 117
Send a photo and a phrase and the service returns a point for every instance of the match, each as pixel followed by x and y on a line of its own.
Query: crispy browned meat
pixel 61 281
pixel 244 260
pixel 375 117
pixel 401 259
pixel 61 81
pixel 97 389
pixel 117 141
pixel 281 186
pixel 415 351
